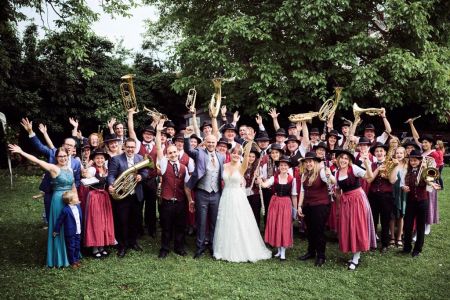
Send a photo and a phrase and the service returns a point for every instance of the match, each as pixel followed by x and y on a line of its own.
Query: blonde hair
pixel 70 197
pixel 313 173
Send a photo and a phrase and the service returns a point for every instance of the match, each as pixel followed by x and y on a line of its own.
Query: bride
pixel 237 237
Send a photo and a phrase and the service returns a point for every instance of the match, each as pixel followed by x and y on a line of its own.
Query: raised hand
pixel 132 111
pixel 111 122
pixel 27 125
pixel 42 128
pixel 236 117
pixel 73 122
pixel 223 110
pixel 160 125
pixel 258 119
pixel 383 112
pixel 273 113
pixel 15 149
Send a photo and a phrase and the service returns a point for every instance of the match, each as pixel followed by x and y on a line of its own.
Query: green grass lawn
pixel 142 275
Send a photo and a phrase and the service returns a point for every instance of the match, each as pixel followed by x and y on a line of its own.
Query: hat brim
pixel 226 144
pixel 372 149
pixel 291 140
pixel 426 139
pixel 335 135
pixel 313 158
pixel 276 149
pixel 111 140
pixel 341 151
pixel 411 144
pixel 93 155
pixel 205 125
pixel 278 162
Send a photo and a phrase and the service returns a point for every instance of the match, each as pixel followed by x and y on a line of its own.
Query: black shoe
pixel 162 254
pixel 136 247
pixel 405 251
pixel 307 256
pixel 198 254
pixel 415 254
pixel 121 253
pixel 181 252
pixel 97 255
pixel 384 250
pixel 319 262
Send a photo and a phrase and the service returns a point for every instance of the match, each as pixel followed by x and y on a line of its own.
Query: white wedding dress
pixel 237 237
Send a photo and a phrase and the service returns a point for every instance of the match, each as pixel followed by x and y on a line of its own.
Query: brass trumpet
pixel 357 111
pixel 127 92
pixel 126 182
pixel 190 101
pixel 295 118
pixel 156 115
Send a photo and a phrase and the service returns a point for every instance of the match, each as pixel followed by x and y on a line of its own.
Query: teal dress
pixel 56 247
pixel 399 199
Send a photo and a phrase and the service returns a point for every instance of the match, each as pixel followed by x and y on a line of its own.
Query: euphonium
pixel 127 92
pixel 357 111
pixel 295 118
pixel 126 182
pixel 190 101
pixel 216 99
pixel 329 106
pixel 156 115
pixel 427 171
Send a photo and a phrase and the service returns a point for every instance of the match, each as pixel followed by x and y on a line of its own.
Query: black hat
pixel 378 145
pixel 262 137
pixel 285 159
pixel 310 155
pixel 256 152
pixel 292 138
pixel 321 145
pixel 346 123
pixel 224 141
pixel 229 126
pixel 99 152
pixel 178 136
pixel 111 138
pixel 342 151
pixel 281 131
pixel 194 136
pixel 277 147
pixel 411 143
pixel 333 133
pixel 364 141
pixel 169 123
pixel 426 137
pixel 150 129
pixel 369 127
pixel 314 130
pixel 292 125
pixel 182 127
pixel 164 131
pixel 204 124
pixel 416 153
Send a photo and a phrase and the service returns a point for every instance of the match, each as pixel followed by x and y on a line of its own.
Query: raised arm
pixel 43 129
pixel 53 169
pixel 387 125
pixel 194 122
pixel 236 118
pixel 110 124
pixel 74 123
pixel 414 132
pixel 305 138
pixel 273 113
pixel 130 123
pixel 44 150
pixel 159 128
pixel 247 149
pixel 259 121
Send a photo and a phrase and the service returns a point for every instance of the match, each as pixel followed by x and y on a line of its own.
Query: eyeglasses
pixel 62 156
pixel 130 147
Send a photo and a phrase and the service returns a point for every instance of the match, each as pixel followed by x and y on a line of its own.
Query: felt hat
pixel 99 152
pixel 229 127
pixel 111 138
pixel 292 138
pixel 310 155
pixel 277 147
pixel 342 151
pixel 378 145
pixel 225 142
pixel 333 133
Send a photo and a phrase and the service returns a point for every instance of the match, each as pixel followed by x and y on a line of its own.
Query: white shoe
pixel 427 229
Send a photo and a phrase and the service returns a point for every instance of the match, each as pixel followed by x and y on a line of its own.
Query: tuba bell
pixel 126 182
pixel 127 92
pixel 357 111
pixel 190 101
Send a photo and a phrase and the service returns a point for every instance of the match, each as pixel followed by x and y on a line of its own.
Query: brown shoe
pixel 74 266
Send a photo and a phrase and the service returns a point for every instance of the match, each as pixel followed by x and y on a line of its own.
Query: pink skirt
pixel 279 222
pixel 353 221
pixel 433 211
pixel 98 220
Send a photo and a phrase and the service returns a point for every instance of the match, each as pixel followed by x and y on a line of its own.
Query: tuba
pixel 127 92
pixel 329 106
pixel 216 99
pixel 190 101
pixel 156 115
pixel 357 111
pixel 295 118
pixel 126 182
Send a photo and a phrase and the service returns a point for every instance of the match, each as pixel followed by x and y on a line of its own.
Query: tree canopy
pixel 385 52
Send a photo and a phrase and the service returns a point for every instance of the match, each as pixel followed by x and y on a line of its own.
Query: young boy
pixel 70 217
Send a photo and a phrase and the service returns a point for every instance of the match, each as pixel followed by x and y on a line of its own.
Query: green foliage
pixel 386 52
pixel 142 275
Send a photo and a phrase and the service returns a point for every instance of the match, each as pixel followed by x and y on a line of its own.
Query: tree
pixel 389 53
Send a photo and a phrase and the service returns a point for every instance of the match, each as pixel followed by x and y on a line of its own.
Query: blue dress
pixel 56 247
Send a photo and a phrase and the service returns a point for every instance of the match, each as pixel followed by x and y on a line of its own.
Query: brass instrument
pixel 388 163
pixel 127 92
pixel 190 101
pixel 156 115
pixel 216 98
pixel 427 170
pixel 126 182
pixel 357 111
pixel 329 106
pixel 295 118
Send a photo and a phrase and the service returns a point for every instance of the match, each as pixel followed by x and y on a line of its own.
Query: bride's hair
pixel 238 148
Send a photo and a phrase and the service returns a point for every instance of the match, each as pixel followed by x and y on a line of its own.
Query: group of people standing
pixel 228 183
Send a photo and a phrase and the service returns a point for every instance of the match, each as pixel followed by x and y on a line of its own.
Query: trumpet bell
pixel 369 111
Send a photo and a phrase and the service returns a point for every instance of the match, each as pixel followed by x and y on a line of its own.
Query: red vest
pixel 380 185
pixel 316 194
pixel 152 154
pixel 184 160
pixel 173 186
pixel 416 192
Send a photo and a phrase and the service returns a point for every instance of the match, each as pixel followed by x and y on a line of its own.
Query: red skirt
pixel 353 228
pixel 279 222
pixel 83 192
pixel 365 185
pixel 98 220
pixel 332 218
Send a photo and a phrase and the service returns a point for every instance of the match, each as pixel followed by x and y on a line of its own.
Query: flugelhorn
pixel 329 106
pixel 295 118
pixel 127 92
pixel 156 115
pixel 357 111
pixel 190 101
pixel 216 99
pixel 126 182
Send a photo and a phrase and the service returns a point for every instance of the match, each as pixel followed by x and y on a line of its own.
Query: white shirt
pixel 271 180
pixel 76 215
pixel 357 171
pixel 322 175
pixel 191 163
pixel 163 163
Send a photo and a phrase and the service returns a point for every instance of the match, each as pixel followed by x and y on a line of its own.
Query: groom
pixel 206 182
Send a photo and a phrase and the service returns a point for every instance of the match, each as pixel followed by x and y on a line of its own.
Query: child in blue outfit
pixel 71 218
